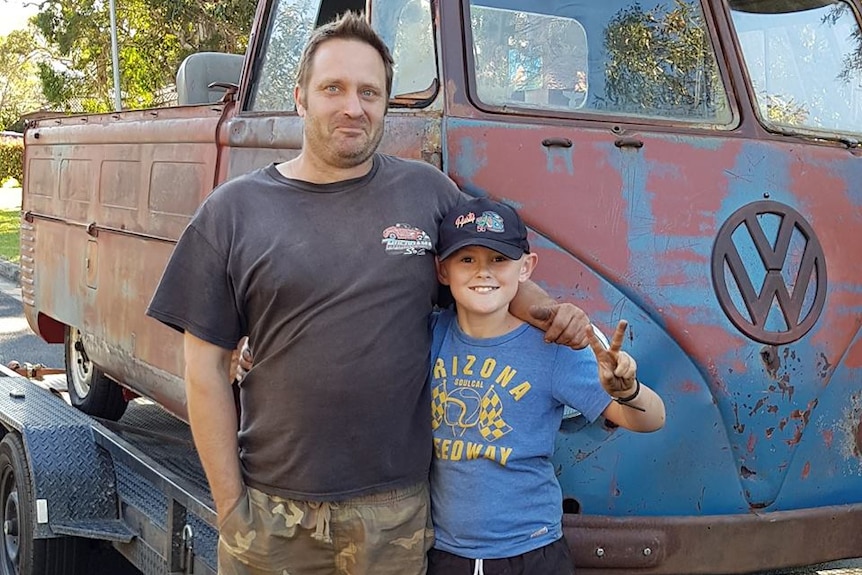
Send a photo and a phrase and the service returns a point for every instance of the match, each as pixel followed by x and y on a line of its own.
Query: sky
pixel 14 14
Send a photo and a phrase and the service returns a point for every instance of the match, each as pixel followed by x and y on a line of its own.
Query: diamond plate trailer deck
pixel 67 479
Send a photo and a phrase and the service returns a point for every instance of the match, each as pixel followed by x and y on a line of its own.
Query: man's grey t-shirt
pixel 333 284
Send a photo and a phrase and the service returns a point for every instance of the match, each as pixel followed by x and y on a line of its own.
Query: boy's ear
pixel 528 264
pixel 442 275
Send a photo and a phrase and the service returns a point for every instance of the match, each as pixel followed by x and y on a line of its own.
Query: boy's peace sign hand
pixel 617 369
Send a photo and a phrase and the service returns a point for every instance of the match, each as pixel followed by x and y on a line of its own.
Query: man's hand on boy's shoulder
pixel 564 324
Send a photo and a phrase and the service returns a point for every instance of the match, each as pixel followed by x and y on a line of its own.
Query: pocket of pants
pixel 240 507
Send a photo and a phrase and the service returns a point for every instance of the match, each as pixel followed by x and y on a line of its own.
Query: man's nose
pixel 353 105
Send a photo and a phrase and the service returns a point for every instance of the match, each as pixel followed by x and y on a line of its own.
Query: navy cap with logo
pixel 486 223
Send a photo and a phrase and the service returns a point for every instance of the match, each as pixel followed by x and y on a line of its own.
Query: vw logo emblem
pixel 793 278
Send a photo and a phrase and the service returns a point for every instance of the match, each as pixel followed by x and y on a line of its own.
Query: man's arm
pixel 563 323
pixel 212 415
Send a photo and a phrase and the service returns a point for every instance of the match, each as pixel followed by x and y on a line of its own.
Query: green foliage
pixel 153 38
pixel 661 59
pixel 11 159
pixel 10 229
pixel 19 85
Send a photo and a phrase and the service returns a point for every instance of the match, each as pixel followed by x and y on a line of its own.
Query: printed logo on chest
pixel 404 239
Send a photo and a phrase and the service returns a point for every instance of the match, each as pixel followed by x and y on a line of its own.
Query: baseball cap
pixel 483 222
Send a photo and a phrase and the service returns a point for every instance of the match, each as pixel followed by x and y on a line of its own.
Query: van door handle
pixel 629 143
pixel 557 143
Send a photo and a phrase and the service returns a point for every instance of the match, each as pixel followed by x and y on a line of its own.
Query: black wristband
pixel 634 394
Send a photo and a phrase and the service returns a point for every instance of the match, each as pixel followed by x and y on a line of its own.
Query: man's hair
pixel 350 26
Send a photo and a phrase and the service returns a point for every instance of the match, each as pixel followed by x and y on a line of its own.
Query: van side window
pixel 406 27
pixel 598 57
pixel 289 30
pixel 804 66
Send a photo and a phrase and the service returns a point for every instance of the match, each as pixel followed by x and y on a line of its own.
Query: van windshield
pixel 805 65
pixel 652 60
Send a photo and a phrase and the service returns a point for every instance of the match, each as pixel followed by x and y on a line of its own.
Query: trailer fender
pixel 74 485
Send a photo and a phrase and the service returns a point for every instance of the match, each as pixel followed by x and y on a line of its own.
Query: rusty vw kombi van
pixel 692 166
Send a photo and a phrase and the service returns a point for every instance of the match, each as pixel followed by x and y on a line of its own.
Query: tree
pixel 662 60
pixel 852 65
pixel 19 83
pixel 154 36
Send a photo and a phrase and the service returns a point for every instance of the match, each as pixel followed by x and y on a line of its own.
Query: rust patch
pixel 797 436
pixel 858 437
pixel 689 386
pixel 737 426
pixel 785 387
pixel 823 366
pixel 806 470
pixel 752 442
pixel 828 436
pixel 769 357
pixel 849 428
pixel 757 406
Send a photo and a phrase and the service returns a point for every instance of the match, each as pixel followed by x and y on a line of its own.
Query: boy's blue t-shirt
pixel 496 407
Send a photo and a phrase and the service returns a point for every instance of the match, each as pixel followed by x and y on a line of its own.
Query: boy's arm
pixel 644 413
pixel 635 407
pixel 563 323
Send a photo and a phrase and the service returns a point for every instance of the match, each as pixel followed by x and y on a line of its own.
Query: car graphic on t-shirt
pixel 403 232
pixel 406 239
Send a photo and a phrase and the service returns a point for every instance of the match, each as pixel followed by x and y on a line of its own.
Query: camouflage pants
pixel 382 534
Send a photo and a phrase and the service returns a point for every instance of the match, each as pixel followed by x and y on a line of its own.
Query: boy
pixel 498 394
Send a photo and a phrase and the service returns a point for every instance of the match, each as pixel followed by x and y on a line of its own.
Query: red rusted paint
pixel 752 442
pixel 688 386
pixel 853 359
pixel 832 208
pixel 706 166
pixel 591 171
pixel 806 469
pixel 828 435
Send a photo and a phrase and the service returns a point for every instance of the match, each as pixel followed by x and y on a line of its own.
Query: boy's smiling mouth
pixel 484 289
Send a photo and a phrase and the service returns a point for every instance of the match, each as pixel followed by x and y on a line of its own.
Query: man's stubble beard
pixel 324 146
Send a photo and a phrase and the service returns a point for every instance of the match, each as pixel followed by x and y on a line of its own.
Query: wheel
pixel 21 554
pixel 90 390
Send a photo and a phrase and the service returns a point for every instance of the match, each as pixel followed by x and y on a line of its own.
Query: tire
pixel 90 390
pixel 20 554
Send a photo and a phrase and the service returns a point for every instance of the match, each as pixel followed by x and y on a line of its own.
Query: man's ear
pixel 528 264
pixel 298 98
pixel 442 274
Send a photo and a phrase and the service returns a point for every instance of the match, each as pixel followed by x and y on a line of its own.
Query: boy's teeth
pixel 484 289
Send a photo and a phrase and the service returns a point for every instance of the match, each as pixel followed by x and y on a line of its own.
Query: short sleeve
pixel 576 382
pixel 195 293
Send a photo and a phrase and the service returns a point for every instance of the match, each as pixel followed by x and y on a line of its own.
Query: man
pixel 326 262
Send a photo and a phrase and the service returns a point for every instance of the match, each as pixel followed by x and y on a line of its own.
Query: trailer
pixel 73 486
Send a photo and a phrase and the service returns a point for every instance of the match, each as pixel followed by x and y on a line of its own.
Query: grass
pixel 10 227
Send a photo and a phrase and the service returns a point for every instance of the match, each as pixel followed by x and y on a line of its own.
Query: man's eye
pixel 369 93
pixel 331 89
